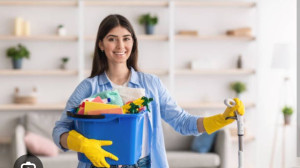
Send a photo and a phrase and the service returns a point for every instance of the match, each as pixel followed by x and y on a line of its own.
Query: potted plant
pixel 238 88
pixel 287 112
pixel 17 54
pixel 64 61
pixel 61 31
pixel 149 22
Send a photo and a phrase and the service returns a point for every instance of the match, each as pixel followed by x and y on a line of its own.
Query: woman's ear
pixel 100 45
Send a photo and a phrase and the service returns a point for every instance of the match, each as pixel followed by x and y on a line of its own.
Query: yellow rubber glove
pixel 216 122
pixel 91 148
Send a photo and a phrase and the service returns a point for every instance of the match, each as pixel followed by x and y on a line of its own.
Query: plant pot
pixel 63 66
pixel 287 119
pixel 17 63
pixel 149 29
pixel 61 31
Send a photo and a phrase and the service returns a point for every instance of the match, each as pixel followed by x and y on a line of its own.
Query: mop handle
pixel 240 125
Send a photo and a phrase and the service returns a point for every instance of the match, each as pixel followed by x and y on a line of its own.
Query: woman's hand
pixel 91 148
pixel 216 122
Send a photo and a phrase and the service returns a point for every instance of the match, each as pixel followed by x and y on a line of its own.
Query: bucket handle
pixel 70 114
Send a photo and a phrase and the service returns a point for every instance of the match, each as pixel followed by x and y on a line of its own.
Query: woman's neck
pixel 118 74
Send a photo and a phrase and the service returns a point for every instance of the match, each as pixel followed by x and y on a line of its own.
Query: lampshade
pixel 281 56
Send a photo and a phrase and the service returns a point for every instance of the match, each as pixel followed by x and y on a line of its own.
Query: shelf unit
pixel 38 3
pixel 39 106
pixel 215 37
pixel 170 38
pixel 39 38
pixel 38 72
pixel 128 3
pixel 215 72
pixel 5 140
pixel 215 4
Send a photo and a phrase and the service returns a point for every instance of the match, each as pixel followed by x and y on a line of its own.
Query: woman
pixel 115 64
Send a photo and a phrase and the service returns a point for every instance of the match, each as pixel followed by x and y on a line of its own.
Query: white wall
pixel 277 24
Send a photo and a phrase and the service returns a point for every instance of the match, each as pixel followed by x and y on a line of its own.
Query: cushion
pixel 203 143
pixel 41 123
pixel 174 141
pixel 39 145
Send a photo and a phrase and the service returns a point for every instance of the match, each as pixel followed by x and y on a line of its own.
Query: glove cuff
pixel 214 123
pixel 75 141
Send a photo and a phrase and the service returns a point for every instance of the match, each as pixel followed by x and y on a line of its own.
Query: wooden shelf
pixel 216 37
pixel 39 37
pixel 131 3
pixel 208 105
pixel 215 4
pixel 215 72
pixel 39 72
pixel 5 140
pixel 150 71
pixel 140 37
pixel 38 3
pixel 40 106
pixel 127 3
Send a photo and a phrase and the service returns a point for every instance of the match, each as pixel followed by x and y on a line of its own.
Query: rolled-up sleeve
pixel 178 118
pixel 82 91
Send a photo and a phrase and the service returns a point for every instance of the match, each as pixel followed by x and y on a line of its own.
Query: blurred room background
pixel 204 51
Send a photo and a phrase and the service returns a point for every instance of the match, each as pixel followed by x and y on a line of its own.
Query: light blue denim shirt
pixel 162 107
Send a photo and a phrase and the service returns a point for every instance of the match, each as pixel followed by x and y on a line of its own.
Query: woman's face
pixel 117 45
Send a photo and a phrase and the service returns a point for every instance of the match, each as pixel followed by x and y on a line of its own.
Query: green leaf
pixel 17 52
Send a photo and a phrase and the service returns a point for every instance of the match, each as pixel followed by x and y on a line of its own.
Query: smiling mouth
pixel 120 53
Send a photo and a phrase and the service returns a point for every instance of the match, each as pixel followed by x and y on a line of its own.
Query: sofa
pixel 177 146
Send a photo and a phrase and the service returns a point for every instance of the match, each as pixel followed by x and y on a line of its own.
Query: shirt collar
pixel 103 78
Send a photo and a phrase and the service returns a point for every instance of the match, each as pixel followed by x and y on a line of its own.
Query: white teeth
pixel 120 53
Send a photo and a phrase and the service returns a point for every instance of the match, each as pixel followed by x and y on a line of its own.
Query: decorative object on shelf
pixel 287 112
pixel 246 31
pixel 64 61
pixel 238 88
pixel 61 30
pixel 188 32
pixel 25 99
pixel 22 27
pixel 149 22
pixel 239 64
pixel 18 26
pixel 26 28
pixel 17 54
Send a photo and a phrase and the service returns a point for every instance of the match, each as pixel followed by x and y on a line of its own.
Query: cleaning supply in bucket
pixel 137 105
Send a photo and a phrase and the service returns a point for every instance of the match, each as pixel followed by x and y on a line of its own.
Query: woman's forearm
pixel 63 140
pixel 200 125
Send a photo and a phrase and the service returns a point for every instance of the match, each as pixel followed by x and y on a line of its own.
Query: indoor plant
pixel 61 30
pixel 64 61
pixel 287 112
pixel 149 21
pixel 17 54
pixel 238 87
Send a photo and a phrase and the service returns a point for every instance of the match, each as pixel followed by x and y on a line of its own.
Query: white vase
pixel 61 31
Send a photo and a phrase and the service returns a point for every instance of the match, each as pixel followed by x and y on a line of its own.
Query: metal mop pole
pixel 240 126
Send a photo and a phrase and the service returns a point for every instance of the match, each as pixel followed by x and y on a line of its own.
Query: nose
pixel 120 44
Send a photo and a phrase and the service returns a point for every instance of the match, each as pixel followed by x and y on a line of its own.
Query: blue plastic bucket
pixel 124 130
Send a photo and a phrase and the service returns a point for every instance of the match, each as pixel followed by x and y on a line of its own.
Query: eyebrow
pixel 111 35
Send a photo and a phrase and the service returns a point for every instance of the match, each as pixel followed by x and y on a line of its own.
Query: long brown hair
pixel 100 64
